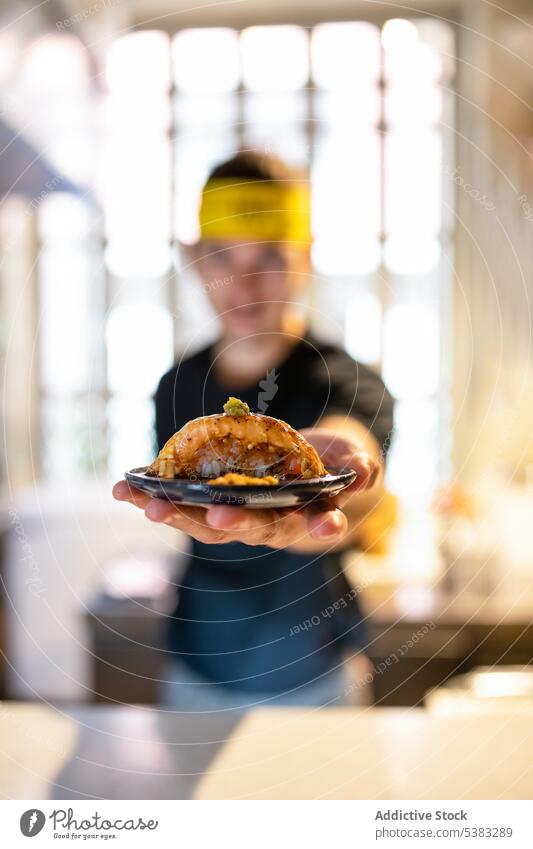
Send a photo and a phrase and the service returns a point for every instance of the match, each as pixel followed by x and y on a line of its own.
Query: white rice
pixel 255 468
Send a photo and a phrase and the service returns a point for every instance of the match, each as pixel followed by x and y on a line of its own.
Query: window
pixel 368 109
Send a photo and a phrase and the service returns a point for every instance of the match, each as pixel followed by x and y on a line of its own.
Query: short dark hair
pixel 251 165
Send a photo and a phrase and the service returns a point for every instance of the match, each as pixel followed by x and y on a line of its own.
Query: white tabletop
pixel 112 752
pixel 380 753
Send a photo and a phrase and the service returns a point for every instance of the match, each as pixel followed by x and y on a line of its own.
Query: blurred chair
pixel 60 546
pixel 126 622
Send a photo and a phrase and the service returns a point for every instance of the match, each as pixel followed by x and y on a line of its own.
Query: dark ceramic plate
pixel 284 494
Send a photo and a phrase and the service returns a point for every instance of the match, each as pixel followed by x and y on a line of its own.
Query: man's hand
pixel 344 451
pixel 319 526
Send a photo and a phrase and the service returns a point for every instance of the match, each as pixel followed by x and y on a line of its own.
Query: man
pixel 265 615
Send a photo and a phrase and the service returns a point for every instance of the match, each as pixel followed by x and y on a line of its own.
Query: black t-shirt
pixel 253 618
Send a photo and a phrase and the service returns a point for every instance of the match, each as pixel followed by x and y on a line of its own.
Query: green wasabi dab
pixel 235 407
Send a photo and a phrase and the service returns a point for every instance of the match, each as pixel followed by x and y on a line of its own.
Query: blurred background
pixel 418 136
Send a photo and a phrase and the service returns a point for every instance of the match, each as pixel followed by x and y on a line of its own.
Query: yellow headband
pixel 252 209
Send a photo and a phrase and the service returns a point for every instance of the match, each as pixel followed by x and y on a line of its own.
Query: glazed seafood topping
pixel 239 442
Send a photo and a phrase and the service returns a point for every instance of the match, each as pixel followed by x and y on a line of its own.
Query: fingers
pixel 278 528
pixel 122 491
pixel 340 451
pixel 189 520
pixel 330 524
pixel 256 527
pixel 334 450
pixel 367 471
pixel 223 524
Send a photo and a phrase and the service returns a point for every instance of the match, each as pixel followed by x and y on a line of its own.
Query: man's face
pixel 251 286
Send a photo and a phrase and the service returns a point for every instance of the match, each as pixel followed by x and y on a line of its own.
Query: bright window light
pixel 357 109
pixel 271 109
pixel 441 37
pixel 412 254
pixel 56 63
pixel 134 369
pixel 274 58
pixel 206 60
pixel 338 255
pixel 63 217
pixel 415 435
pixel 275 123
pixel 399 34
pixel 413 182
pixel 362 335
pixel 139 61
pixel 138 257
pixel 131 429
pixel 411 351
pixel 206 113
pixel 66 328
pixel 135 114
pixel 416 61
pixel 345 54
pixel 137 188
pixel 405 109
pixel 346 186
pixel 72 154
